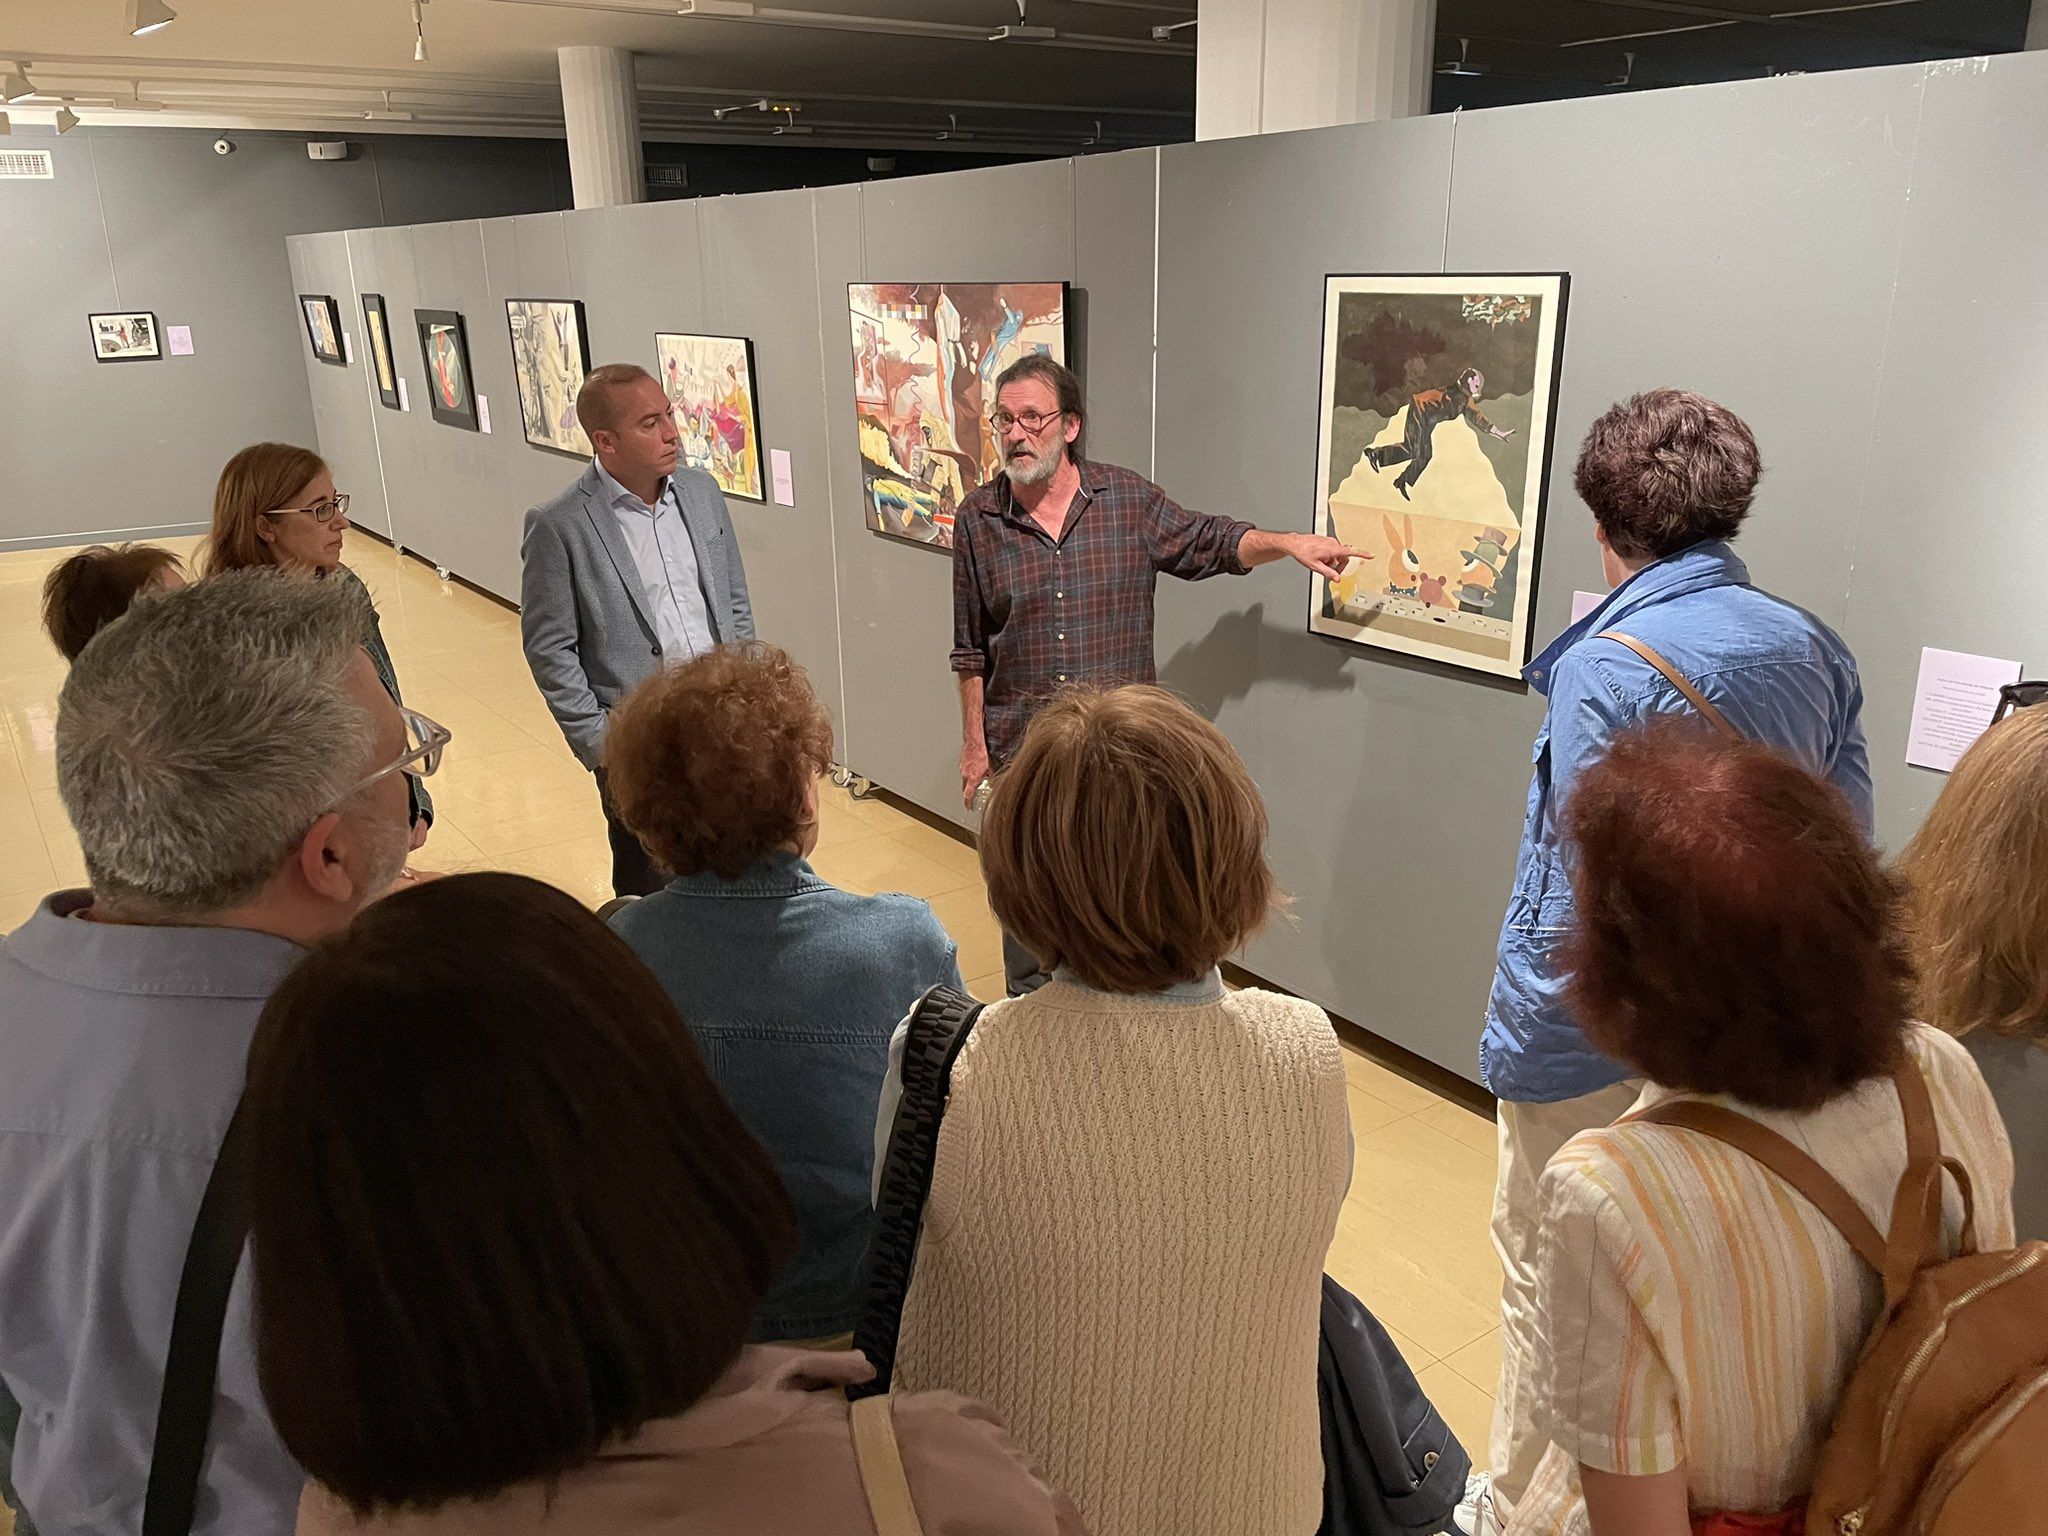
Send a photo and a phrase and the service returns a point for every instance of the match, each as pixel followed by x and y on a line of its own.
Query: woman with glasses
pixel 1976 876
pixel 276 505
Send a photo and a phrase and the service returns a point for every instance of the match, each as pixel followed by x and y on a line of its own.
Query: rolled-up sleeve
pixel 1193 545
pixel 970 618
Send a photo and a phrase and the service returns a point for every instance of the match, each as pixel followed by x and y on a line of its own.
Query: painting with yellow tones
pixel 1438 402
pixel 925 360
pixel 549 359
pixel 709 381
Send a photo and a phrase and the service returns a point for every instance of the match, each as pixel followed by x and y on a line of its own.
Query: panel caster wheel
pixel 859 786
pixel 442 572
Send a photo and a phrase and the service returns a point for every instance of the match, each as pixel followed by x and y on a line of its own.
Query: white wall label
pixel 348 349
pixel 180 337
pixel 778 472
pixel 1584 603
pixel 483 413
pixel 1953 704
pixel 404 400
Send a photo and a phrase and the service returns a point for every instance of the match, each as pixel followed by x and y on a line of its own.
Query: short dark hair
pixel 708 762
pixel 1735 931
pixel 596 399
pixel 86 593
pixel 1055 376
pixel 1665 470
pixel 499 1213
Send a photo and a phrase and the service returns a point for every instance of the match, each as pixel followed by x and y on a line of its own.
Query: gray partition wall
pixel 1851 261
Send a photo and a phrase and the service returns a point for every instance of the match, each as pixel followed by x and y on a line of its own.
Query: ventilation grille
pixel 668 175
pixel 26 164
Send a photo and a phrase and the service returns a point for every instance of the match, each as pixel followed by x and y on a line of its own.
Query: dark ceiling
pixel 1540 50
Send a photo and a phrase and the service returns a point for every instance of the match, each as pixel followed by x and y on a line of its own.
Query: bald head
pixel 599 403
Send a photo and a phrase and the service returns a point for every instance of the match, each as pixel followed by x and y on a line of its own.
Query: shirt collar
pixel 1093 483
pixel 157 960
pixel 617 496
pixel 780 874
pixel 1697 567
pixel 1203 989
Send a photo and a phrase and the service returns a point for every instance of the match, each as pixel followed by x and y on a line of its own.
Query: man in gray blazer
pixel 633 567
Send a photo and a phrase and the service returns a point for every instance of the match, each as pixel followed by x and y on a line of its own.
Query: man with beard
pixel 1053 568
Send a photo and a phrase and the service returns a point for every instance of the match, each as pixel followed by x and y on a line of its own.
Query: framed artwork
pixel 549 359
pixel 710 386
pixel 323 327
pixel 128 336
pixel 377 328
pixel 925 361
pixel 444 348
pixel 1439 397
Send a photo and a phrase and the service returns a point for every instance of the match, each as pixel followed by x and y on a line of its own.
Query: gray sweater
pixel 2017 1070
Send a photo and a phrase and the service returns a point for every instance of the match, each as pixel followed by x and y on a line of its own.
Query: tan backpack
pixel 1943 1427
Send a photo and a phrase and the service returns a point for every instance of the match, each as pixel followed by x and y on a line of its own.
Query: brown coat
pixel 767 1453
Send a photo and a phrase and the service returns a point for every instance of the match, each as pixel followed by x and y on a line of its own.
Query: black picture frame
pixel 377 340
pixel 760 453
pixel 437 324
pixel 126 352
pixel 542 435
pixel 330 349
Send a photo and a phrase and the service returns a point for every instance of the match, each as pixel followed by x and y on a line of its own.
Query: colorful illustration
pixel 444 348
pixel 323 327
pixel 1436 420
pixel 127 337
pixel 925 361
pixel 549 359
pixel 710 386
pixel 378 329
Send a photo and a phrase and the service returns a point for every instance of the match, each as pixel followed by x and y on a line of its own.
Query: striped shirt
pixel 1693 1309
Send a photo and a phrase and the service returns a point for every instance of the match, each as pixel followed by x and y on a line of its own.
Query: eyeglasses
pixel 1033 422
pixel 424 741
pixel 2021 695
pixel 321 511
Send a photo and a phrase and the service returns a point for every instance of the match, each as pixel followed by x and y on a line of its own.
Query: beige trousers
pixel 1530 1135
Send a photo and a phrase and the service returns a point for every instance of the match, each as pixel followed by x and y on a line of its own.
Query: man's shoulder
pixel 567 501
pixel 1099 475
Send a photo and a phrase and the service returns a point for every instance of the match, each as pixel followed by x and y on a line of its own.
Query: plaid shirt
pixel 1033 615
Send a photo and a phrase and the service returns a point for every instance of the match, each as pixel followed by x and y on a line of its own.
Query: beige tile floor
pixel 1412 1241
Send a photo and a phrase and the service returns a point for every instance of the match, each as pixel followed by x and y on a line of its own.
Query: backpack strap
pixel 1677 679
pixel 939 1026
pixel 882 1476
pixel 1916 1209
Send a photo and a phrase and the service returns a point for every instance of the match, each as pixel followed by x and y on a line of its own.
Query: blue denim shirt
pixel 1781 677
pixel 791 987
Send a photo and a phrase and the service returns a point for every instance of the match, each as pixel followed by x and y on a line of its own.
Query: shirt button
pixel 1063 634
pixel 655 649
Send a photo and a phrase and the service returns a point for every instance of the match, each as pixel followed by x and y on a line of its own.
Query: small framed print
pixel 383 367
pixel 129 336
pixel 444 347
pixel 323 327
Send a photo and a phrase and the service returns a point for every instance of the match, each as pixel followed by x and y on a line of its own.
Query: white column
pixel 1265 66
pixel 601 105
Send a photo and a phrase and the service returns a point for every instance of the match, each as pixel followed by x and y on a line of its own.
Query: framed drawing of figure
pixel 129 336
pixel 323 327
pixel 444 348
pixel 710 386
pixel 1439 395
pixel 383 369
pixel 549 359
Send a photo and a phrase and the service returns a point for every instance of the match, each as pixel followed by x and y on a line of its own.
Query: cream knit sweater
pixel 1123 1250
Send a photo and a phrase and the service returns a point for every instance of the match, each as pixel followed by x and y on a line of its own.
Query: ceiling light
pixel 1165 34
pixel 146 16
pixel 14 86
pixel 1022 32
pixel 419 33
pixel 1463 66
pixel 66 119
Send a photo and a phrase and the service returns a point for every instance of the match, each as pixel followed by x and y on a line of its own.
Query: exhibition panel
pixel 380 261
pixel 347 437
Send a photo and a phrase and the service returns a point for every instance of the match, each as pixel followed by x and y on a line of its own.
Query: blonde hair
pixel 1977 887
pixel 261 478
pixel 1126 841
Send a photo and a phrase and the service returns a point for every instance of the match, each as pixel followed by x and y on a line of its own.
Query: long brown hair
pixel 1976 878
pixel 261 478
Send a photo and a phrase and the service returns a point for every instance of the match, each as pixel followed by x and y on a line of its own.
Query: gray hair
pixel 595 411
pixel 204 731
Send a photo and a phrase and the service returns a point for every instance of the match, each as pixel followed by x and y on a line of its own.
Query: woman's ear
pixel 265 532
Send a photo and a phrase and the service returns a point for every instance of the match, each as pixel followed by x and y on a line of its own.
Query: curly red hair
pixel 710 762
pixel 1736 933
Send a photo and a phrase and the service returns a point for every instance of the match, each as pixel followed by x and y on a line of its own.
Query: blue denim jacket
pixel 1781 677
pixel 791 988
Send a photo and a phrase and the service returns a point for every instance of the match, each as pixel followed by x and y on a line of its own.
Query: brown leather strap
pixel 1677 679
pixel 1795 1166
pixel 881 1468
pixel 1916 1208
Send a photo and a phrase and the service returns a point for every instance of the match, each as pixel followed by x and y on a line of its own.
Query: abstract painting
pixel 549 359
pixel 444 348
pixel 925 361
pixel 1437 411
pixel 130 336
pixel 323 327
pixel 710 386
pixel 377 327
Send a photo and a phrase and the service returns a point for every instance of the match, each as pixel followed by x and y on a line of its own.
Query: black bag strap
pixel 185 1411
pixel 939 1027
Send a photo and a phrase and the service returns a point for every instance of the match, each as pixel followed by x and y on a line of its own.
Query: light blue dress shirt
pixel 122 1056
pixel 666 561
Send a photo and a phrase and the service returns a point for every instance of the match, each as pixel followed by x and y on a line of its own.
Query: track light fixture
pixel 66 118
pixel 419 33
pixel 1023 31
pixel 14 86
pixel 145 16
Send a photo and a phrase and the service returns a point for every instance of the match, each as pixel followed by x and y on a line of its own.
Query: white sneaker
pixel 1475 1515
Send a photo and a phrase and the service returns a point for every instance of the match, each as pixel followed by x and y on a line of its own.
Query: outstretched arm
pixel 1324 556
